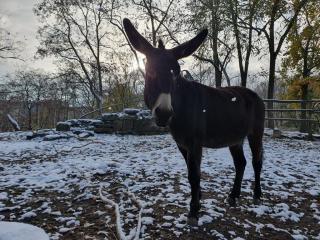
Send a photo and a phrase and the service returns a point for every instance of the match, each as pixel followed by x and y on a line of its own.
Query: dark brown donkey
pixel 200 116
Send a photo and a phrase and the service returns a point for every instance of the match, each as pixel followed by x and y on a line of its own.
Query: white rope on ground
pixel 120 231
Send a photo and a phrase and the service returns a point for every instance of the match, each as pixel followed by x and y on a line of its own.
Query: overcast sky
pixel 17 17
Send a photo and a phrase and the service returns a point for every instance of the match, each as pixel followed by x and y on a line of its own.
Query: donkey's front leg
pixel 193 163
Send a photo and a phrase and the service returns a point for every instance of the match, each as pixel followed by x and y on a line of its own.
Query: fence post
pixel 270 114
pixel 310 137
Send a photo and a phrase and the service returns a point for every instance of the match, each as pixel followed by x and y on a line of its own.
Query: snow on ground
pixel 54 185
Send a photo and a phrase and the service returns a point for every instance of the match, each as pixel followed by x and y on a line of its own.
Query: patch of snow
pixel 3 196
pixel 147 220
pixel 299 237
pixel 315 208
pixel 19 231
pixel 205 219
pixel 28 215
pixel 64 229
pixel 166 224
pixel 168 218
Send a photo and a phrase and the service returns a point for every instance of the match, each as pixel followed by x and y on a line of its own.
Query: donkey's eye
pixel 175 72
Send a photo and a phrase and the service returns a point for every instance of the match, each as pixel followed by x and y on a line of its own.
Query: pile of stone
pixel 52 135
pixel 129 121
pixel 87 124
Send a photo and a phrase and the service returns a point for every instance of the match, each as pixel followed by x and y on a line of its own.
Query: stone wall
pixel 129 121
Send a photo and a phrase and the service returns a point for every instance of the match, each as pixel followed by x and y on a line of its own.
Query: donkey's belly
pixel 221 142
pixel 213 140
pixel 224 137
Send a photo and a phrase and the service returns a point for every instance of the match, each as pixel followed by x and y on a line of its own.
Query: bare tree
pixel 243 12
pixel 218 49
pixel 80 37
pixel 279 17
pixel 156 15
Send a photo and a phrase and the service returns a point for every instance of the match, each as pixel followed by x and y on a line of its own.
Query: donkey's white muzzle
pixel 162 110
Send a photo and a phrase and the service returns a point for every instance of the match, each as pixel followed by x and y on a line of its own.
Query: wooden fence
pixel 301 114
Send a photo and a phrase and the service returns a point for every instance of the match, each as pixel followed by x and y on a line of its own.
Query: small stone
pixel 276 133
pixel 63 126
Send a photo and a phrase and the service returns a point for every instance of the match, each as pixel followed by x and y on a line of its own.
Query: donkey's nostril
pixel 157 111
pixel 162 116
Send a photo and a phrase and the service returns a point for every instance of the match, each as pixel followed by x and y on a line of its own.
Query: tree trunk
pixel 29 119
pixel 218 77
pixel 99 105
pixel 243 78
pixel 272 69
pixel 304 96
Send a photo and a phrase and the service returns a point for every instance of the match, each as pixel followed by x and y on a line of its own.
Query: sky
pixel 17 17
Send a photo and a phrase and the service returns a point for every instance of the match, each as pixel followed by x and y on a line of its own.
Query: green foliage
pixel 296 85
pixel 301 64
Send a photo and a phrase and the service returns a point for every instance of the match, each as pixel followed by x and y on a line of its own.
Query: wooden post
pixel 270 115
pixel 309 124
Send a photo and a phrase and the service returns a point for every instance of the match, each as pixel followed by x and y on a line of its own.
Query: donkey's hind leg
pixel 240 165
pixel 255 142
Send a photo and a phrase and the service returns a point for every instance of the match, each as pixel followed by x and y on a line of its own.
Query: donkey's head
pixel 162 68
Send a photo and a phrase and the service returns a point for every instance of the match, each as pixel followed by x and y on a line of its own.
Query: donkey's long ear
pixel 135 38
pixel 190 46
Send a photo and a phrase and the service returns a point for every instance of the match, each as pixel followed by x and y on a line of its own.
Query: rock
pixel 74 122
pixel 276 133
pixel 127 125
pixel 144 114
pixel 102 129
pixel 53 137
pixel 131 111
pixel 63 126
pixel 35 135
pixel 110 116
pixel 86 134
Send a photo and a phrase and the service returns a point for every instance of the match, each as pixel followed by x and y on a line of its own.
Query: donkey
pixel 200 116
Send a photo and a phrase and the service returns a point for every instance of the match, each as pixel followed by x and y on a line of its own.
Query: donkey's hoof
pixel 256 201
pixel 192 221
pixel 232 201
